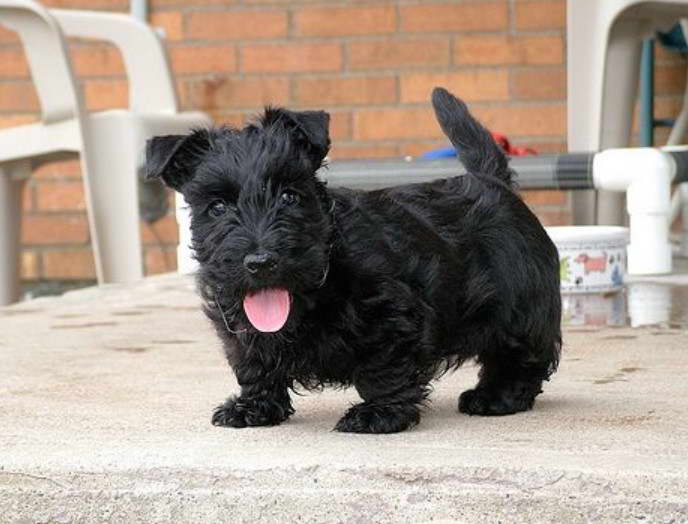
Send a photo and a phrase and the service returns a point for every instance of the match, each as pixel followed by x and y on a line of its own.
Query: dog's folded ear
pixel 310 129
pixel 175 157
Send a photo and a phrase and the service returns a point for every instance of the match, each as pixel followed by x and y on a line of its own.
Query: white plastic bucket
pixel 592 259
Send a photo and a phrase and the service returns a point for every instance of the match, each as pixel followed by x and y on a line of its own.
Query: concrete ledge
pixel 105 403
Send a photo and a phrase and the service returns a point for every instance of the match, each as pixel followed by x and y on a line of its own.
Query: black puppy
pixel 383 290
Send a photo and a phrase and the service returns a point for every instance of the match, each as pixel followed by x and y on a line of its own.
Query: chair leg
pixel 185 261
pixel 603 66
pixel 12 177
pixel 179 124
pixel 683 196
pixel 622 72
pixel 586 46
pixel 110 159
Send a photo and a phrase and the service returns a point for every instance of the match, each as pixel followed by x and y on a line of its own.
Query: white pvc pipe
pixel 649 303
pixel 139 10
pixel 645 174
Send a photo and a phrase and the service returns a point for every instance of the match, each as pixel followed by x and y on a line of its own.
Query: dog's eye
pixel 217 208
pixel 290 198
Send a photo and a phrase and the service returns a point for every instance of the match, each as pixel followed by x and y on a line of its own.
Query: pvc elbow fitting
pixel 645 174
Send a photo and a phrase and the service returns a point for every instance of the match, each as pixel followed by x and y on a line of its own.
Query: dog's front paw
pixel 239 412
pixel 378 418
pixel 493 403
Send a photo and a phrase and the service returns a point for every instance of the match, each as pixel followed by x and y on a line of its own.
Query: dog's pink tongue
pixel 267 309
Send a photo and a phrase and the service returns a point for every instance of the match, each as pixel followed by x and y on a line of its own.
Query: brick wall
pixel 370 63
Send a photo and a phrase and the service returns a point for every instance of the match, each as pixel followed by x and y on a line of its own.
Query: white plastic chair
pixel 110 143
pixel 679 201
pixel 604 40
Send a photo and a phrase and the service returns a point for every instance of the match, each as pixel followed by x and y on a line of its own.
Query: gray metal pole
pixel 565 171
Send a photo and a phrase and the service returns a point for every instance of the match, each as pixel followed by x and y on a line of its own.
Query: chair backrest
pixel 151 86
pixel 46 53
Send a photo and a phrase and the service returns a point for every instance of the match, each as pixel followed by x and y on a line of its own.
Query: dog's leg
pixel 262 402
pixel 391 401
pixel 509 382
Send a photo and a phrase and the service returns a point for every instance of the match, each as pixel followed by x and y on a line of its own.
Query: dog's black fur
pixel 389 289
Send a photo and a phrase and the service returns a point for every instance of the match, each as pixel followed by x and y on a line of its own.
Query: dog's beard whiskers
pixel 224 318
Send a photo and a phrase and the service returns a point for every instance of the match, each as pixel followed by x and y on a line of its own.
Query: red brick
pixel 226 92
pixel 353 151
pixel 69 264
pixel 162 232
pixel 520 50
pixel 477 85
pixel 13 63
pixel 60 196
pixel 381 54
pixel 665 107
pixel 97 60
pixel 343 21
pixel 292 58
pixel 7 121
pixel 236 25
pixel 203 59
pixel 18 96
pixel 54 229
pixel 670 79
pixel 160 260
pixel 544 198
pixel 171 22
pixel 355 90
pixel 665 56
pixel 106 94
pixel 451 17
pixel 340 125
pixel 29 265
pixel 66 168
pixel 540 15
pixel 182 92
pixel 8 36
pixel 393 124
pixel 543 147
pixel 403 123
pixel 527 120
pixel 288 2
pixel 155 4
pixel 28 196
pixel 230 118
pixel 561 217
pixel 538 84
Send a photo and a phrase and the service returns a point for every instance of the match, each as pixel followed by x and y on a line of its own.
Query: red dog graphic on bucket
pixel 592 265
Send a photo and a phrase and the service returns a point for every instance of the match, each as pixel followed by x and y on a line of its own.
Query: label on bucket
pixel 592 268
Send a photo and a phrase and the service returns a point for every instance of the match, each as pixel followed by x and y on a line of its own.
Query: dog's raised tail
pixel 475 146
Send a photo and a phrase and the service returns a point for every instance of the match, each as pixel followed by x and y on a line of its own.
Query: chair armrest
pixel 47 56
pixel 151 87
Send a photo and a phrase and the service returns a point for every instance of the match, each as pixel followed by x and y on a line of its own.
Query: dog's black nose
pixel 260 263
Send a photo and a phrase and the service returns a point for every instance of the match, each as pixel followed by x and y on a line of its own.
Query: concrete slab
pixel 105 403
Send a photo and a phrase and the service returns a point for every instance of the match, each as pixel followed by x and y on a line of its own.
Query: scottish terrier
pixel 384 290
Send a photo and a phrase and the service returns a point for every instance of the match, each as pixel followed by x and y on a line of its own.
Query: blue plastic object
pixel 674 39
pixel 445 152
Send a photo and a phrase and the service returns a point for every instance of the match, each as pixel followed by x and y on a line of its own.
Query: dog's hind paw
pixel 485 402
pixel 238 412
pixel 372 418
pixel 227 415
